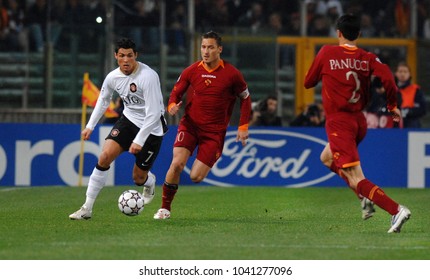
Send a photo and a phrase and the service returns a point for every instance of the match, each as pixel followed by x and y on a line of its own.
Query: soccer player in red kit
pixel 213 86
pixel 345 71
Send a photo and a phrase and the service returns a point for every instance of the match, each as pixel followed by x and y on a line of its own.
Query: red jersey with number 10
pixel 346 73
pixel 212 95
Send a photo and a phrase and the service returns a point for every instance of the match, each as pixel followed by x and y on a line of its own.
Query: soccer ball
pixel 130 203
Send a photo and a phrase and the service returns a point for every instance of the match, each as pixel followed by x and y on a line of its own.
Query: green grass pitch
pixel 242 223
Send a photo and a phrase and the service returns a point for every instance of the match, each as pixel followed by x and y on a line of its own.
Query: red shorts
pixel 345 131
pixel 210 143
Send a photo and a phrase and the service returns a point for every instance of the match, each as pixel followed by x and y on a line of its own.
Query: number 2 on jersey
pixel 355 97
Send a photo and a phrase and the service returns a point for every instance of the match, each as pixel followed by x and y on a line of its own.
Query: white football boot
pixel 149 191
pixel 162 214
pixel 367 208
pixel 81 214
pixel 399 219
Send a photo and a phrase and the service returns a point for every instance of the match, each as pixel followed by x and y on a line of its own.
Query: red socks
pixel 169 191
pixel 378 196
pixel 371 191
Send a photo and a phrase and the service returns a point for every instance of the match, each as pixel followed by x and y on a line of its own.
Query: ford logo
pixel 271 158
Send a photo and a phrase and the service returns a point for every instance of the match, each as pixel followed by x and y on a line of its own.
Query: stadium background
pixel 44 85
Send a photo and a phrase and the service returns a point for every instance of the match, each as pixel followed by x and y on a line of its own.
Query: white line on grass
pixel 158 245
pixel 3 189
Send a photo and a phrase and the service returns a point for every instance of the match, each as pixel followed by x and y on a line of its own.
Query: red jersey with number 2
pixel 345 72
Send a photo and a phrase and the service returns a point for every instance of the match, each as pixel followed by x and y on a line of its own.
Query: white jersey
pixel 143 101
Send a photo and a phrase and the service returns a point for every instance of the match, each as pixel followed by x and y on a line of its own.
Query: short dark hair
pixel 403 64
pixel 349 25
pixel 125 43
pixel 213 35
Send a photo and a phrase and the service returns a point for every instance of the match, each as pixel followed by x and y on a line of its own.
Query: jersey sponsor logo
pixel 133 87
pixel 208 76
pixel 271 157
pixel 348 63
pixel 208 82
pixel 131 99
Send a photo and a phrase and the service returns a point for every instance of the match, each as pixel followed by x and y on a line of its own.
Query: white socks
pixel 97 182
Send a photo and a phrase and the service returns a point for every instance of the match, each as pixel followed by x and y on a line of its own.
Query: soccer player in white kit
pixel 139 130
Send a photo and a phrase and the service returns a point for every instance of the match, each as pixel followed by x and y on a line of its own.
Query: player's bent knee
pixel 326 157
pixel 325 160
pixel 177 167
pixel 196 178
pixel 104 160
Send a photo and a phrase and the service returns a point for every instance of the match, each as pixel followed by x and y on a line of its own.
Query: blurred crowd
pixel 23 23
pixel 390 18
pixel 411 102
pixel 29 24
